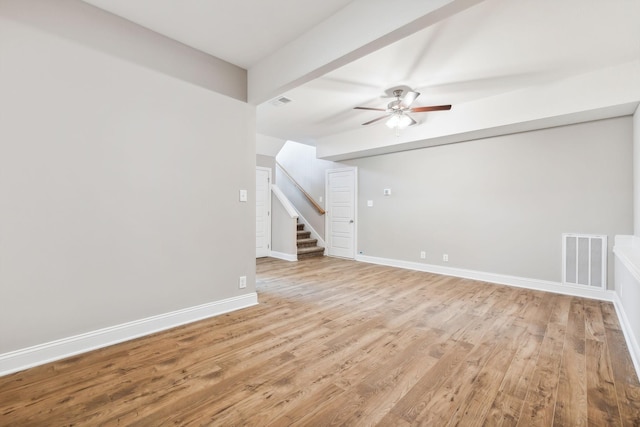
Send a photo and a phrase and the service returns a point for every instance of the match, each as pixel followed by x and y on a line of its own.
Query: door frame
pixel 268 222
pixel 354 170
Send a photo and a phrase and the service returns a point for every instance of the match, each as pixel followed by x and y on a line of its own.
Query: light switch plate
pixel 243 195
pixel 370 203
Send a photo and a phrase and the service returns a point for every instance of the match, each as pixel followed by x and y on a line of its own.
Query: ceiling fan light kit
pixel 399 120
pixel 397 110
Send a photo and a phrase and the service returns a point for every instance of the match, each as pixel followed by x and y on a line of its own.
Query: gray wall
pixel 267 162
pixel 118 182
pixel 500 204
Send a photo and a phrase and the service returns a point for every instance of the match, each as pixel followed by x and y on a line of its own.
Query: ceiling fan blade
pixel 369 108
pixel 375 120
pixel 413 122
pixel 432 108
pixel 408 99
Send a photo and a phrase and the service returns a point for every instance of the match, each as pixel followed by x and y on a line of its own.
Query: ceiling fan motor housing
pixel 393 105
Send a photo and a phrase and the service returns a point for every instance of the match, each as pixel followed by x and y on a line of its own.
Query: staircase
pixel 307 247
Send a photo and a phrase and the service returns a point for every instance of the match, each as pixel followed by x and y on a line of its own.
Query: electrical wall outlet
pixel 423 255
pixel 242 282
pixel 445 257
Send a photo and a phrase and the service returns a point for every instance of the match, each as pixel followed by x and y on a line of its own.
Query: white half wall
pixel 283 226
pixel 636 172
pixel 627 262
pixel 627 292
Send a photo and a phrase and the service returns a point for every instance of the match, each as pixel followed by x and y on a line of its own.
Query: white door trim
pixel 268 206
pixel 327 228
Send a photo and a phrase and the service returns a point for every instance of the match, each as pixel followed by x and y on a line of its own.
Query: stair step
pixel 314 251
pixel 306 243
pixel 307 246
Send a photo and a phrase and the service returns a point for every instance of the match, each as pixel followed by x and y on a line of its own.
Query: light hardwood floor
pixel 337 342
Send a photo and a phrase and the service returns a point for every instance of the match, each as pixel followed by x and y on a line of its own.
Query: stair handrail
pixel 299 187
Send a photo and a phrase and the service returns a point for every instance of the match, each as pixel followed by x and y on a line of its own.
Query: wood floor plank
pixel 571 404
pixel 422 394
pixel 507 406
pixel 594 323
pixel 338 342
pixel 609 316
pixel 382 388
pixel 459 386
pixel 486 384
pixel 602 401
pixel 626 382
pixel 541 395
pixel 330 368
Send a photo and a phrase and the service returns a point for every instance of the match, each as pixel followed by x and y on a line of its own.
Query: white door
pixel 263 212
pixel 341 212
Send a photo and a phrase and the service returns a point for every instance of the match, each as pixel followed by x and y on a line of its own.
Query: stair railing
pixel 299 187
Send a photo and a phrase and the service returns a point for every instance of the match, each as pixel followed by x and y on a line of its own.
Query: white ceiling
pixel 238 31
pixel 491 48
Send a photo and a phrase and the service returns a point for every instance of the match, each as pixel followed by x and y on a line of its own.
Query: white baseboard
pixel 55 350
pixel 632 343
pixel 283 256
pixel 501 279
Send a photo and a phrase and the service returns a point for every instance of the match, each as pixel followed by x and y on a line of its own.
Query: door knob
pixel 350 221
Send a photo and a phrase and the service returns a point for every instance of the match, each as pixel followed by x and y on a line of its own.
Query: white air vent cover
pixel 584 260
pixel 279 101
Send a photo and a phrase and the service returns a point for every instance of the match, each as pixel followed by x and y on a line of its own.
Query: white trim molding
pixel 55 350
pixel 500 279
pixel 283 256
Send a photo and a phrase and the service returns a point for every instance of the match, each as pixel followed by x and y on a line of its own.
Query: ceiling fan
pixel 397 110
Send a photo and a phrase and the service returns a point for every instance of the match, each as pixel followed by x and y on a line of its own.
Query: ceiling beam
pixel 360 28
pixel 605 93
